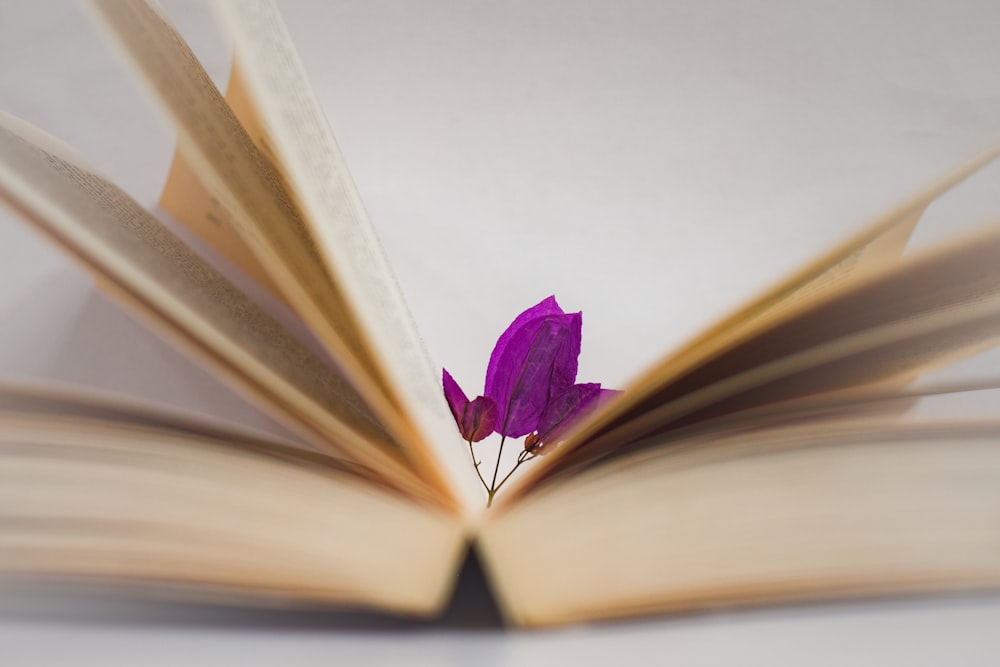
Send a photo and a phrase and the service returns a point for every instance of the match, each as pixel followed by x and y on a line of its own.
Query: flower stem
pixel 496 470
pixel 520 459
pixel 476 463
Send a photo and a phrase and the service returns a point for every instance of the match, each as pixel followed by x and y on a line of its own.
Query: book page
pixel 234 171
pixel 50 402
pixel 118 240
pixel 782 515
pixel 203 521
pixel 931 310
pixel 878 401
pixel 874 248
pixel 871 251
pixel 877 405
pixel 311 159
pixel 187 200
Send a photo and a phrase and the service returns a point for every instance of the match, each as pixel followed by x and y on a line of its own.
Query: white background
pixel 651 163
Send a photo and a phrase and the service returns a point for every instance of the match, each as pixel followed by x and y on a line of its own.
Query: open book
pixel 765 460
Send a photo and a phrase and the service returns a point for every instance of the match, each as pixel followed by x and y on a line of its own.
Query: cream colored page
pixel 310 157
pixel 70 401
pixel 931 309
pixel 190 203
pixel 872 401
pixel 874 250
pixel 855 260
pixel 201 519
pixel 756 520
pixel 51 402
pixel 202 213
pixel 879 403
pixel 942 287
pixel 877 356
pixel 233 169
pixel 934 313
pixel 115 237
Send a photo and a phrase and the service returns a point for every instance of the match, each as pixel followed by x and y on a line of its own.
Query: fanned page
pixel 242 179
pixel 800 513
pixel 927 311
pixel 328 264
pixel 190 202
pixel 183 297
pixel 878 403
pixel 309 156
pixel 26 398
pixel 156 511
pixel 869 254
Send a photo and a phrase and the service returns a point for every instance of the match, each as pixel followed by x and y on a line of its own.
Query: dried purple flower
pixel 476 419
pixel 530 388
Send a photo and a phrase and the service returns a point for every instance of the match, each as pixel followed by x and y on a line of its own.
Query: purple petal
pixel 544 308
pixel 567 407
pixel 457 400
pixel 480 419
pixel 475 419
pixel 566 361
pixel 524 371
pixel 533 360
